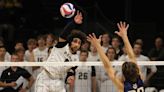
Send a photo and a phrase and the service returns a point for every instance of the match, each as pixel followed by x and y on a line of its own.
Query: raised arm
pixel 107 65
pixel 123 27
pixel 75 24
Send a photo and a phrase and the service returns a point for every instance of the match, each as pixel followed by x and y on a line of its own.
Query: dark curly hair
pixel 77 34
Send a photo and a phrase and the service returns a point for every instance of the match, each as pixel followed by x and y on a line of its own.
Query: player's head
pixel 2 51
pixel 75 40
pixel 130 71
pixel 83 55
pixel 14 57
pixel 137 47
pixel 111 53
pixel 105 38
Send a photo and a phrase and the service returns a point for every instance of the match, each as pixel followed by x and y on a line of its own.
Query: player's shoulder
pixel 143 57
pixel 36 49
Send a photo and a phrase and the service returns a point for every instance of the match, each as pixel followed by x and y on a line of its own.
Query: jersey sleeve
pixel 25 74
pixel 71 72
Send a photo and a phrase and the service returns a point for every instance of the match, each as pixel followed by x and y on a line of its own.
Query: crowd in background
pixel 40 47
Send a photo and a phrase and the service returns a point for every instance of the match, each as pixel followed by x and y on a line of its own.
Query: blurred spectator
pixel 31 45
pixel 85 46
pixel 140 41
pixel 103 76
pixel 157 53
pixel 7 54
pixel 51 40
pixel 123 56
pixel 93 54
pixel 116 44
pixel 144 69
pixel 18 45
pixel 85 76
pixel 12 74
pixel 105 41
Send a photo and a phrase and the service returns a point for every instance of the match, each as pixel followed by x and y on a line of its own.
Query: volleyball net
pixel 89 73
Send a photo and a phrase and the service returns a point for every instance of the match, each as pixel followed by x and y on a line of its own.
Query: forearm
pixel 93 84
pixel 149 76
pixel 30 83
pixel 3 84
pixel 71 87
pixel 128 48
pixel 103 57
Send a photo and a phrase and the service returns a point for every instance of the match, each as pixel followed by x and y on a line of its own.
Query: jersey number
pixel 40 59
pixel 141 89
pixel 83 76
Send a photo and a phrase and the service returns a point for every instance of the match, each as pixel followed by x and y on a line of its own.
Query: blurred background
pixel 22 19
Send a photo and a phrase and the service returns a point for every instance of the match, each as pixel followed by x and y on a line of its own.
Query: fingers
pixel 88 39
pixel 127 26
pixel 78 13
pixel 118 25
pixel 100 36
pixel 91 37
pixel 116 32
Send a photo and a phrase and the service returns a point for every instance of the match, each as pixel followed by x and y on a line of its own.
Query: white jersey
pixel 122 57
pixel 39 56
pixel 105 83
pixel 59 55
pixel 83 81
pixel 144 68
pixel 7 56
pixel 27 55
pixel 105 48
pixel 93 58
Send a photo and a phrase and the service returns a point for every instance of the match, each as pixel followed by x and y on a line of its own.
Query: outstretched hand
pixel 123 27
pixel 93 40
pixel 78 18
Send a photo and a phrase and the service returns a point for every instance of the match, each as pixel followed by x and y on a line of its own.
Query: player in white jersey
pixel 31 45
pixel 93 54
pixel 51 78
pixel 40 54
pixel 105 41
pixel 85 76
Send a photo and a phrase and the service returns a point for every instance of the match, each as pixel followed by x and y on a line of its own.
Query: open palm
pixel 123 27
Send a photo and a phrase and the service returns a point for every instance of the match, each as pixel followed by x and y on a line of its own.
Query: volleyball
pixel 67 10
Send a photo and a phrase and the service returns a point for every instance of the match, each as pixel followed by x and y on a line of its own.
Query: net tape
pixel 77 63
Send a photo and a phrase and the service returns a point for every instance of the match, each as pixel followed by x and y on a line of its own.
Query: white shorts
pixel 46 84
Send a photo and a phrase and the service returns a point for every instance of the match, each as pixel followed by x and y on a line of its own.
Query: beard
pixel 74 50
